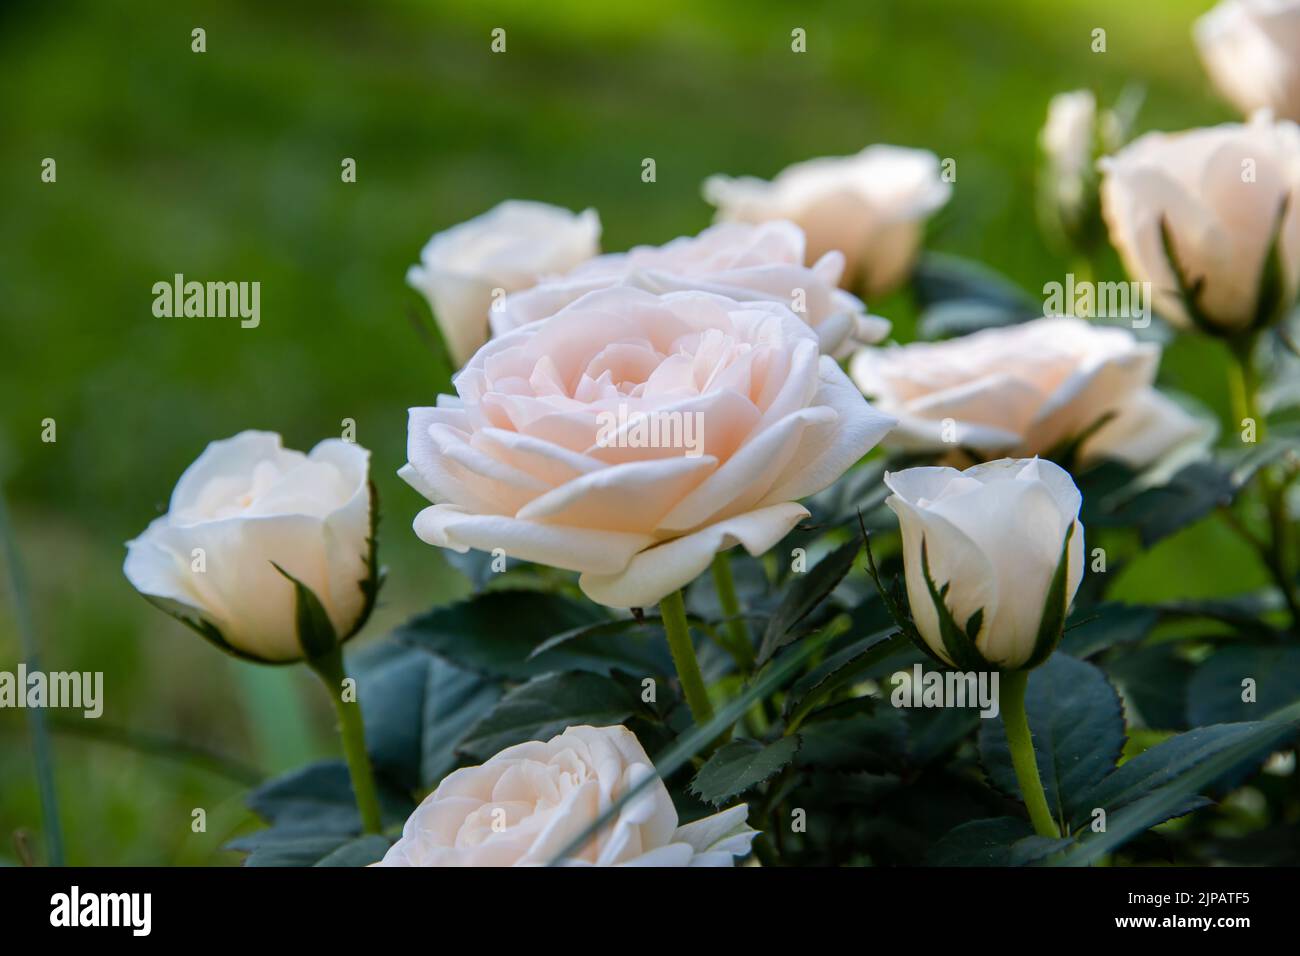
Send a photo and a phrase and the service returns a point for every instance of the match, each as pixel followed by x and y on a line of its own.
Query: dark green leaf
pixel 940 277
pixel 740 765
pixel 495 633
pixel 802 597
pixel 1001 841
pixel 361 851
pixel 1153 680
pixel 1100 627
pixel 1214 694
pixel 548 705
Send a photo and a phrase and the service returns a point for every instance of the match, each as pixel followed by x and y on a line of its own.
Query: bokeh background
pixel 226 165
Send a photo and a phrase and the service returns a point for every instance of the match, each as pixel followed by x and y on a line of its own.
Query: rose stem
pixel 725 584
pixel 673 611
pixel 352 730
pixel 1245 403
pixel 1011 700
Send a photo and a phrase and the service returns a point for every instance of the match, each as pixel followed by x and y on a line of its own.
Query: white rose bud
pixel 1004 551
pixel 872 207
pixel 509 248
pixel 1251 49
pixel 1068 188
pixel 244 507
pixel 526 804
pixel 1211 218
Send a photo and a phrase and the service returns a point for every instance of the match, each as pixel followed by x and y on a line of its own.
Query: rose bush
pixel 526 804
pixel 521 459
pixel 743 262
pixel 872 207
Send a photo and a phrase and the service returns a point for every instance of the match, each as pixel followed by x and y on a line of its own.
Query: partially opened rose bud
pixel 1251 49
pixel 1070 142
pixel 871 206
pixel 1211 218
pixel 525 805
pixel 247 520
pixel 466 270
pixel 993 557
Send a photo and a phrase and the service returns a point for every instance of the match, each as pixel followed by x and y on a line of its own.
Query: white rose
pixel 1028 389
pixel 632 436
pixel 1069 144
pixel 245 505
pixel 872 207
pixel 995 535
pixel 1251 49
pixel 508 248
pixel 527 803
pixel 740 261
pixel 1222 192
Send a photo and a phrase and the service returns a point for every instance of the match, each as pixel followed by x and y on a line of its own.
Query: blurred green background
pixel 226 165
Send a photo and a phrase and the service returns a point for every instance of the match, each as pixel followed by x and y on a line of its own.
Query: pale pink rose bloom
pixel 871 206
pixel 465 270
pixel 1222 193
pixel 1251 49
pixel 748 263
pixel 631 436
pixel 528 802
pixel 1028 389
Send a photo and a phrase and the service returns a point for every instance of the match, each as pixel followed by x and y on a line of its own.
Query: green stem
pixel 352 730
pixel 38 727
pixel 742 645
pixel 673 611
pixel 1244 383
pixel 1011 701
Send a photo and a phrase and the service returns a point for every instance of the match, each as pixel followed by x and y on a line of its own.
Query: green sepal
pixel 375 575
pixel 956 641
pixel 1052 624
pixel 1271 301
pixel 316 634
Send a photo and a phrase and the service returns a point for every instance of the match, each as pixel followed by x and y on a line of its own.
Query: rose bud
pixel 529 802
pixel 1251 49
pixel 872 207
pixel 631 437
pixel 466 270
pixel 993 557
pixel 251 526
pixel 1211 218
pixel 741 261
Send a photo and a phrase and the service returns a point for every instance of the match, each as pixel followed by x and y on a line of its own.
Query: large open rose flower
pixel 632 436
pixel 1251 49
pixel 1028 389
pixel 1225 195
pixel 526 804
pixel 466 270
pixel 243 507
pixel 743 262
pixel 871 206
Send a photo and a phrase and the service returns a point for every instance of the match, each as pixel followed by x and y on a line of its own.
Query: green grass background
pixel 225 165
